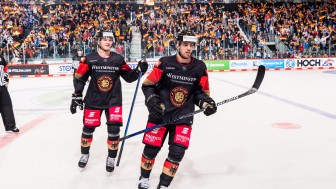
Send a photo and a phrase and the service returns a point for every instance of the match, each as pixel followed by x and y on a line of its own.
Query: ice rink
pixel 282 137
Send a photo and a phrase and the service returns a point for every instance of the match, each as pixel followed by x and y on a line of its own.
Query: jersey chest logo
pixel 105 83
pixel 178 96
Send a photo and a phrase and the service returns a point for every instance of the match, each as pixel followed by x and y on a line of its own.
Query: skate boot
pixel 162 187
pixel 110 164
pixel 13 129
pixel 143 183
pixel 83 160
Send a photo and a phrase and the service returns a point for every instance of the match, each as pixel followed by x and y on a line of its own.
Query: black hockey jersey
pixel 75 61
pixel 104 89
pixel 179 86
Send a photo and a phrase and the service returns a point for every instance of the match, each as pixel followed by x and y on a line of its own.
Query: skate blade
pixel 109 173
pixel 11 132
pixel 81 169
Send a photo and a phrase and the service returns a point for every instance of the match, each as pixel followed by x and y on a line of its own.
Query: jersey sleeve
pixel 156 74
pixel 81 76
pixel 204 82
pixel 127 73
pixel 150 85
pixel 203 88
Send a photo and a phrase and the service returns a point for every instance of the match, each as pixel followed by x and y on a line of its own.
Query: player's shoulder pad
pixel 115 55
pixel 200 63
pixel 165 60
pixel 91 55
pixel 91 58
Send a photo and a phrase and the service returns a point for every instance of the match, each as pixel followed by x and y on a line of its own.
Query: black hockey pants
pixel 6 108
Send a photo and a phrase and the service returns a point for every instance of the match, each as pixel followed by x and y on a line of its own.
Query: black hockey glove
pixel 142 66
pixel 77 100
pixel 155 106
pixel 208 105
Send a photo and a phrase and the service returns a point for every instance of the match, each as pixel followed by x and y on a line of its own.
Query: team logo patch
pixel 178 96
pixel 105 83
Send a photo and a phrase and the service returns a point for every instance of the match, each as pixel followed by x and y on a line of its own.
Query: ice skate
pixel 83 161
pixel 110 165
pixel 143 183
pixel 13 129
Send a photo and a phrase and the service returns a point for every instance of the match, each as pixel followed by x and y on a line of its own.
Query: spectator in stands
pixel 71 24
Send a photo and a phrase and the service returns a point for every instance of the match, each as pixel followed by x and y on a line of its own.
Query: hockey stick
pixel 253 89
pixel 130 113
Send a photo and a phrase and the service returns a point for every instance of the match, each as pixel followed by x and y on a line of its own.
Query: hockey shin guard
pixel 86 139
pixel 146 166
pixel 113 140
pixel 168 172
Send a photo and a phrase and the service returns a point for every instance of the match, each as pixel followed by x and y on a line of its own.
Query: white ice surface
pixel 237 148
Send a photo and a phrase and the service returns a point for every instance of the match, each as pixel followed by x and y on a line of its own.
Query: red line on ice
pixel 10 137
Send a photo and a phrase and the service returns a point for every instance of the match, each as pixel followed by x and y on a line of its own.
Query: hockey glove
pixel 142 66
pixel 155 106
pixel 208 105
pixel 77 100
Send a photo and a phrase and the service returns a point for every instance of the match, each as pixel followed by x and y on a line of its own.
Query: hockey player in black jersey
pixel 6 107
pixel 104 94
pixel 173 88
pixel 76 59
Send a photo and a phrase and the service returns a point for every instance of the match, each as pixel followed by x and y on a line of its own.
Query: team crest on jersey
pixel 178 96
pixel 105 83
